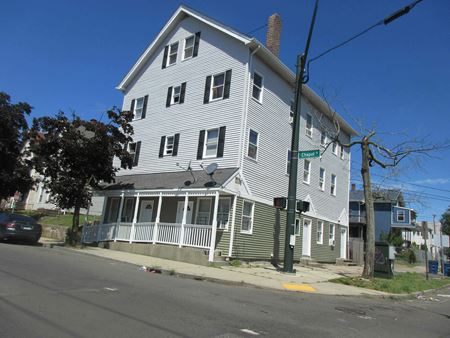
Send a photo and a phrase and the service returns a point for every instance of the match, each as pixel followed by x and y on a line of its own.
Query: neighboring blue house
pixel 390 212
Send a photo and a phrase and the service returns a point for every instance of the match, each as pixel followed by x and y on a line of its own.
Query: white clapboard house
pixel 213 125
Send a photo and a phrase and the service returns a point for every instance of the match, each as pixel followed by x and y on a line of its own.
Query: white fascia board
pixel 179 14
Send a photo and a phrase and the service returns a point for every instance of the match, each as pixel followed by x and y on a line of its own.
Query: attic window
pixel 173 51
pixel 189 47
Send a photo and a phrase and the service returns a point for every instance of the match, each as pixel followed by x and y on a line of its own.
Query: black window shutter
pixel 136 154
pixel 175 145
pixel 226 92
pixel 132 106
pixel 169 96
pixel 183 91
pixel 166 51
pixel 221 141
pixel 161 146
pixel 144 108
pixel 201 143
pixel 207 89
pixel 196 43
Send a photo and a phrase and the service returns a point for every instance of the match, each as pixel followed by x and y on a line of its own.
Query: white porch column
pixel 133 224
pixel 183 222
pixel 119 216
pixel 214 229
pixel 233 221
pixel 157 220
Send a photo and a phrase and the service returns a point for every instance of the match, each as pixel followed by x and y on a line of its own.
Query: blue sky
pixel 70 55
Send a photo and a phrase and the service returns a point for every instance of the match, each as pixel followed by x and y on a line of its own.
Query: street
pixel 60 293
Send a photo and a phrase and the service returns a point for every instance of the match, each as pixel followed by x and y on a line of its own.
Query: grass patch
pixel 235 263
pixel 401 283
pixel 64 220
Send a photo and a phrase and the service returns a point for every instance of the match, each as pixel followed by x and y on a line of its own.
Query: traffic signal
pixel 302 206
pixel 279 202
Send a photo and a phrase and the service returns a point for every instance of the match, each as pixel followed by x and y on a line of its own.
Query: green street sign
pixel 309 153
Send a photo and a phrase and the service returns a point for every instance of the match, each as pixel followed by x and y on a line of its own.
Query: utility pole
pixel 425 237
pixel 292 193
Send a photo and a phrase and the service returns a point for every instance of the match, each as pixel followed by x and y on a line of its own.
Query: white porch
pixel 185 219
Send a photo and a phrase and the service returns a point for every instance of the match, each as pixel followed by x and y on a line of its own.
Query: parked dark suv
pixel 19 227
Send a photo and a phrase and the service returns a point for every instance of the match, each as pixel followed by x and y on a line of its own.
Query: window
pixel 322 179
pixel 292 111
pixel 323 139
pixel 134 149
pixel 223 213
pixel 257 87
pixel 176 93
pixel 217 86
pixel 400 215
pixel 173 51
pixel 334 148
pixel 306 171
pixel 127 210
pixel 203 211
pixel 333 185
pixel 252 144
pixel 309 130
pixel 331 235
pixel 341 152
pixel 212 142
pixel 168 148
pixel 188 47
pixel 319 232
pixel 247 217
pixel 288 162
pixel 41 193
pixel 112 210
pixel 138 108
pixel 297 227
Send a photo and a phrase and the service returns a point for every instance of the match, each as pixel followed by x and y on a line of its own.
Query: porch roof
pixel 172 180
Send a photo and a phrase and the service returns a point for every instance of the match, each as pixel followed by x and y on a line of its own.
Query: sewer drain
pixel 350 311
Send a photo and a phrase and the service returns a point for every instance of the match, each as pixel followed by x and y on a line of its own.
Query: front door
pixel 343 243
pixel 146 211
pixel 180 208
pixel 306 240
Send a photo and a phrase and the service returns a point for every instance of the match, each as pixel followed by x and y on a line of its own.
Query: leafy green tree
pixel 445 222
pixel 14 167
pixel 75 155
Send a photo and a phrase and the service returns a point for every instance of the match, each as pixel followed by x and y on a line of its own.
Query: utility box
pixel 383 264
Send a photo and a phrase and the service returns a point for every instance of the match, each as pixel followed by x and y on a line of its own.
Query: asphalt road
pixel 60 293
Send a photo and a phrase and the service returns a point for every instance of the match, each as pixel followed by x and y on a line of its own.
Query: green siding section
pixel 267 240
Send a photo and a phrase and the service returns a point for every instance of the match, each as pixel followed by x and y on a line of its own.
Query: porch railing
pixel 194 235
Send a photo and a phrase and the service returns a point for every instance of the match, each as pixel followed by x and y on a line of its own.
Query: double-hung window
pixel 400 215
pixel 176 94
pixel 247 217
pixel 320 232
pixel 306 171
pixel 333 185
pixel 334 148
pixel 323 139
pixel 257 87
pixel 168 148
pixel 291 111
pixel 297 227
pixel 188 51
pixel 138 108
pixel 309 126
pixel 331 233
pixel 173 52
pixel 211 143
pixel 322 179
pixel 223 212
pixel 217 86
pixel 341 148
pixel 252 144
pixel 133 150
pixel 203 211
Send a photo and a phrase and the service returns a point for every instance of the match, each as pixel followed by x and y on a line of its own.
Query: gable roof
pixel 379 195
pixel 252 43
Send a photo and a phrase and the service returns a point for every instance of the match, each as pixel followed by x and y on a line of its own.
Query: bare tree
pixel 375 153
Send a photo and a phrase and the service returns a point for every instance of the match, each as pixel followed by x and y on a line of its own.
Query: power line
pixel 256 29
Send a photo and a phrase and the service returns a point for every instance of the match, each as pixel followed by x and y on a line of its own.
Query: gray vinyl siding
pixel 217 53
pixel 267 177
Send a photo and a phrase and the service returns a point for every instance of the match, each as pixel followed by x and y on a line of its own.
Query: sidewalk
pixel 262 275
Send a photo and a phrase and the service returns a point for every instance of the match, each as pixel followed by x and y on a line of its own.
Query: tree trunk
pixel 370 219
pixel 74 235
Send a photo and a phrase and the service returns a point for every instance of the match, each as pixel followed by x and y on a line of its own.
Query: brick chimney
pixel 273 34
